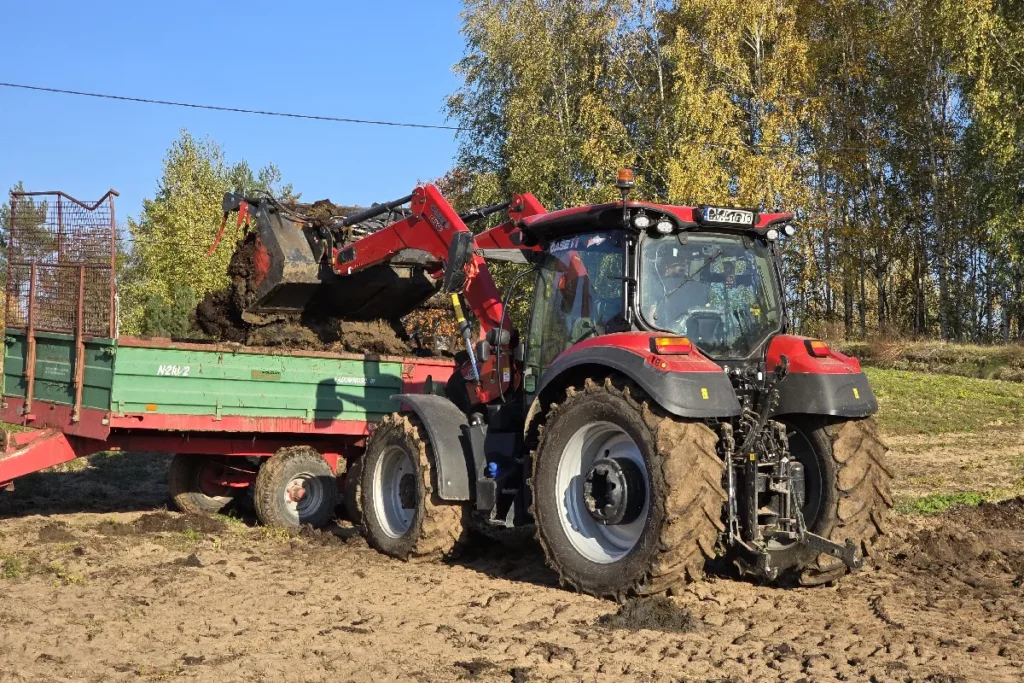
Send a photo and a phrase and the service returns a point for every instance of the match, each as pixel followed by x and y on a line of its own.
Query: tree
pixel 893 130
pixel 170 240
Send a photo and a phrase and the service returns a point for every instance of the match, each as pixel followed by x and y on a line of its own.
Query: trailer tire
pixel 650 550
pixel 853 496
pixel 351 491
pixel 295 487
pixel 401 512
pixel 188 490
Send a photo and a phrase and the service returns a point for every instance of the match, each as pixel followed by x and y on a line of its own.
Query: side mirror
pixel 460 251
pixel 483 350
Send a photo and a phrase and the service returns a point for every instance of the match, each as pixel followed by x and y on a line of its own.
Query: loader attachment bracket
pixel 460 251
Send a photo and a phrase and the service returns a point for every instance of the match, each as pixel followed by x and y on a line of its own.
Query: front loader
pixel 656 414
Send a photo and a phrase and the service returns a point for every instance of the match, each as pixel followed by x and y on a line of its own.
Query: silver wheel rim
pixel 599 543
pixel 304 495
pixel 394 518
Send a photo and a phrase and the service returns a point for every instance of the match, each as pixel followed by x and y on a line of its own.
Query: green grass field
pixel 921 403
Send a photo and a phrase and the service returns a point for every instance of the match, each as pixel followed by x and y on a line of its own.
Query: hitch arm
pixel 848 552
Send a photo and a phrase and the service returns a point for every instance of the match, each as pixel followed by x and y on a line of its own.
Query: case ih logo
pixel 437 219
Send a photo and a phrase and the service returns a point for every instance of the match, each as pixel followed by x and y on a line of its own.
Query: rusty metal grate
pixel 60 267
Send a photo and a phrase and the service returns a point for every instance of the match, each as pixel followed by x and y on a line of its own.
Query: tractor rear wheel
pixel 401 511
pixel 627 500
pixel 193 486
pixel 846 491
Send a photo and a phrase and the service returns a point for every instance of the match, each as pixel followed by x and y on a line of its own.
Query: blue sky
pixel 387 60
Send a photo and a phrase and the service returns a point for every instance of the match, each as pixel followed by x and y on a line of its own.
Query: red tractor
pixel 655 415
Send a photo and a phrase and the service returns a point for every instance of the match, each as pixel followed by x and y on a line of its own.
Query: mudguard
pixel 830 385
pixel 694 394
pixel 839 395
pixel 453 457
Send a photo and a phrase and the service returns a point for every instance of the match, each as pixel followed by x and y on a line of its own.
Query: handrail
pixel 65 195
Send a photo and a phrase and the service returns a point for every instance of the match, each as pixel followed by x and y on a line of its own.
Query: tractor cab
pixel 704 273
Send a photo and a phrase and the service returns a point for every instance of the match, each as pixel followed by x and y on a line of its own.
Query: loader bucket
pixel 287 277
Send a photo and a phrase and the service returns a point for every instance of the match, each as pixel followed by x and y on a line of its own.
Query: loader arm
pixel 430 228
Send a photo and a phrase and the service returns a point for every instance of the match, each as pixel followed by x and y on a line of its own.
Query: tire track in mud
pixel 260 606
pixel 147 595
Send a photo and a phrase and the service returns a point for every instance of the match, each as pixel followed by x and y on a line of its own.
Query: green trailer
pixel 285 422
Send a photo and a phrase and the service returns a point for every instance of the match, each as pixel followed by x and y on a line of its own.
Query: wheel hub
pixel 613 491
pixel 407 491
pixel 296 491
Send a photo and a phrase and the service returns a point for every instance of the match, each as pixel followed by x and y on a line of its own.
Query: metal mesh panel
pixel 70 247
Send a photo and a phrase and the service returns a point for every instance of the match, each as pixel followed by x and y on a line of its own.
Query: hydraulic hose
pixel 467 335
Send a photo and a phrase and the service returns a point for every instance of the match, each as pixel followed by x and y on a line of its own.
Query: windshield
pixel 719 290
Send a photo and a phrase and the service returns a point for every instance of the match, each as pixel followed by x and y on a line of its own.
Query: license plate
pixel 727 216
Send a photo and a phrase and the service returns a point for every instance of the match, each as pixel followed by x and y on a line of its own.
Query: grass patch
pixel 940 502
pixel 62 575
pixel 13 428
pixel 916 403
pixel 1004 362
pixel 11 567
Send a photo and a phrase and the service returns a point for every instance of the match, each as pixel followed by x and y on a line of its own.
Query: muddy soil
pixel 223 316
pixel 162 599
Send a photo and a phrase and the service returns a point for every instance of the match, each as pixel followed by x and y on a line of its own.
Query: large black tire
pixel 188 491
pixel 295 487
pixel 685 493
pixel 847 490
pixel 350 492
pixel 431 528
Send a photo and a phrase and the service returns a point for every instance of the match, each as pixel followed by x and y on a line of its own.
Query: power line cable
pixel 235 110
pixel 792 148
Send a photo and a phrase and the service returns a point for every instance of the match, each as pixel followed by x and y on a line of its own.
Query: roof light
pixel 664 227
pixel 818 348
pixel 772 234
pixel 641 221
pixel 789 229
pixel 624 180
pixel 671 346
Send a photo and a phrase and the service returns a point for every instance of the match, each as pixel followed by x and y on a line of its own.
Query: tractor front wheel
pixel 627 500
pixel 401 511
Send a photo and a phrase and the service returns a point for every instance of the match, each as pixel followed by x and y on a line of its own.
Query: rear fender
pixel 833 385
pixel 690 387
pixel 446 428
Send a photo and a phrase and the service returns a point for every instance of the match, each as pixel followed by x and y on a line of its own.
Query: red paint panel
pixel 640 344
pixel 260 261
pixel 415 374
pixel 33 451
pixel 238 423
pixel 795 348
pixel 48 415
pixel 252 445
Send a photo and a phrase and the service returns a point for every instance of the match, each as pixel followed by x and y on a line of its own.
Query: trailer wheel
pixel 847 491
pixel 627 500
pixel 350 492
pixel 403 516
pixel 193 490
pixel 295 487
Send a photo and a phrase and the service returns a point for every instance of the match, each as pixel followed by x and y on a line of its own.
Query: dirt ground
pixel 100 583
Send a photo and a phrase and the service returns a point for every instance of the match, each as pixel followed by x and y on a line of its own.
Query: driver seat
pixel 704 326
